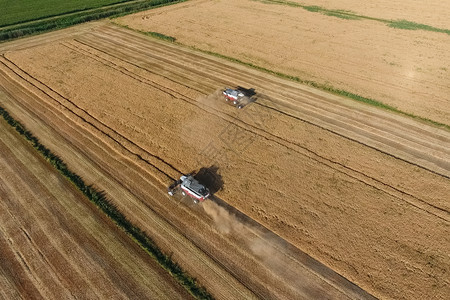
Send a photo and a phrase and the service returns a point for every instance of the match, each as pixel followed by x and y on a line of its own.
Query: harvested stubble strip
pixel 99 199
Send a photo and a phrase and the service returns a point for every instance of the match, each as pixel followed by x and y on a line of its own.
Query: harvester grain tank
pixel 191 187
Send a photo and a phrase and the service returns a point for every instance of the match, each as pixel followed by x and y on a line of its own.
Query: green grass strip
pixel 341 15
pixel 408 25
pixel 348 15
pixel 160 36
pixel 311 83
pixel 21 11
pixel 156 35
pixel 98 198
pixel 21 30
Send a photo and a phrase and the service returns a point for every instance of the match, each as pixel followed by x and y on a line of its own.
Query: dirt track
pixel 54 244
pixel 403 68
pixel 380 221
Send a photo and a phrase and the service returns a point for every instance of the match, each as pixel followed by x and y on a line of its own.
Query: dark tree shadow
pixel 210 178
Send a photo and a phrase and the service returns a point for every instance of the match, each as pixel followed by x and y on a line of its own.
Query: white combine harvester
pixel 191 187
pixel 235 96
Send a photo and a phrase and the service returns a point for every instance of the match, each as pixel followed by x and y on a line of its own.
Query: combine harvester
pixel 234 96
pixel 240 96
pixel 191 187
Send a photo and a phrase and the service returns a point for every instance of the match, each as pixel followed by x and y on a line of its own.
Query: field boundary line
pixel 71 12
pixel 125 7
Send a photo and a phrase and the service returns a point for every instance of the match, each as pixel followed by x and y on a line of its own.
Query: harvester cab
pixel 190 186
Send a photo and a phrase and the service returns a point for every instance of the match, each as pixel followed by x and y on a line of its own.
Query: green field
pixel 34 20
pixel 18 11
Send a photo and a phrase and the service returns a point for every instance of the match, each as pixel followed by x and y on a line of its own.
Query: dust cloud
pixel 224 221
pixel 214 99
pixel 197 131
pixel 259 243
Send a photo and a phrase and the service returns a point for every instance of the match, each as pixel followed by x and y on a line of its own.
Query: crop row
pixel 100 200
pixel 323 87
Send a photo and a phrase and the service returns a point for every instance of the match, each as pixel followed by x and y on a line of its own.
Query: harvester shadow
pixel 247 92
pixel 250 94
pixel 211 178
